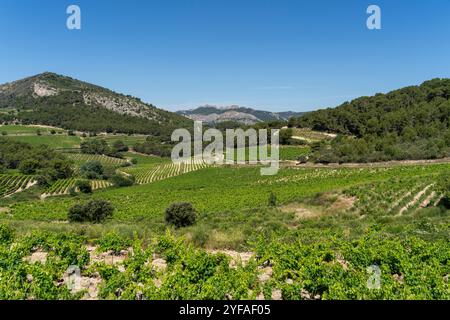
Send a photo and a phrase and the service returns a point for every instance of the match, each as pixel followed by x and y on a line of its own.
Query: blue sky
pixel 271 54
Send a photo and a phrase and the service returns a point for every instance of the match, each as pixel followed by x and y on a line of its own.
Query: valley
pixel 99 198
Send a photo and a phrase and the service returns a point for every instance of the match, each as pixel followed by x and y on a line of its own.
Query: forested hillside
pixel 61 101
pixel 410 123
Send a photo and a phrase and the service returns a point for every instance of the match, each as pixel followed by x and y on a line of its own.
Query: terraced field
pixel 11 183
pixel 216 190
pixel 148 174
pixel 80 158
pixel 396 196
pixel 62 186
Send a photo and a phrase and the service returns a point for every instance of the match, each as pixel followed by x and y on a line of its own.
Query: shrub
pixel 28 166
pixel 70 133
pixel 94 146
pixel 272 200
pixel 84 186
pixel 120 180
pixel 53 131
pixel 119 146
pixel 4 133
pixel 134 160
pixel 95 211
pixel 72 191
pixel 181 214
pixel 43 181
pixel 6 234
pixel 92 170
pixel 444 187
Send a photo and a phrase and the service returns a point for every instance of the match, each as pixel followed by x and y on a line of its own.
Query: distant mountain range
pixel 244 115
pixel 61 101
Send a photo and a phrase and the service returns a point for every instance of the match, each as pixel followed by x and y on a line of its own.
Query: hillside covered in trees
pixel 56 100
pixel 409 123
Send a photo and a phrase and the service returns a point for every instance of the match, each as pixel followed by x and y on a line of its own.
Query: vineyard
pixel 63 186
pixel 35 266
pixel 396 196
pixel 150 174
pixel 10 183
pixel 80 158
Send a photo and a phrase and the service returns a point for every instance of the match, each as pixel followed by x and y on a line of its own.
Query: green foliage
pixel 285 136
pixel 121 180
pixel 272 200
pixel 31 159
pixel 84 186
pixel 23 279
pixel 92 170
pixel 68 109
pixel 28 166
pixel 95 211
pixel 444 187
pixel 119 146
pixel 113 242
pixel 181 214
pixel 94 146
pixel 6 234
pixel 154 146
pixel 410 123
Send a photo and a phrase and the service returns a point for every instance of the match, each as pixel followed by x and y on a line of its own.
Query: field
pixel 59 141
pixel 328 225
pixel 28 130
pixel 291 153
pixel 148 174
pixel 11 183
pixel 310 135
pixel 80 158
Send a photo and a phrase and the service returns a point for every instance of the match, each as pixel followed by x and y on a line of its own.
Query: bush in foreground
pixel 114 242
pixel 181 214
pixel 95 211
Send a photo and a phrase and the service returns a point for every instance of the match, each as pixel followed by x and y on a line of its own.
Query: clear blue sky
pixel 271 54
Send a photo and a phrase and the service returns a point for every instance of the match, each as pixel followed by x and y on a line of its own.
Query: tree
pixel 84 186
pixel 285 136
pixel 28 166
pixel 60 168
pixel 120 180
pixel 119 146
pixel 181 214
pixel 443 184
pixel 94 146
pixel 91 170
pixel 95 211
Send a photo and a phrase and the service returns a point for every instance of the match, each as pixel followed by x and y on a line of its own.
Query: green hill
pixel 61 101
pixel 409 123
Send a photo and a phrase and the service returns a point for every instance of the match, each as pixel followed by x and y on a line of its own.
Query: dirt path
pixel 427 201
pixel 414 200
pixel 367 165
